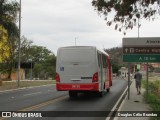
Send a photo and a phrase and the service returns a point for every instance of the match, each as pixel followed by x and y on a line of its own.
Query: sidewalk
pixel 135 103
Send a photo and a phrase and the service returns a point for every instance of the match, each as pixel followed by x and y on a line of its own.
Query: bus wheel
pixel 108 89
pixel 73 94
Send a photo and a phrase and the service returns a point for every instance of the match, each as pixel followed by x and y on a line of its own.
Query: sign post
pixel 128 81
pixel 144 49
pixel 147 88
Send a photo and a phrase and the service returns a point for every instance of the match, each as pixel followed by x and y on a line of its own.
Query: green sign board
pixel 141 58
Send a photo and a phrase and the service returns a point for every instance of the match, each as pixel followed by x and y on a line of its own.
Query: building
pixel 123 72
pixel 14 75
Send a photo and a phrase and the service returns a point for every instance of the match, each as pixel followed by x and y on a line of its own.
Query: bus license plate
pixel 75 86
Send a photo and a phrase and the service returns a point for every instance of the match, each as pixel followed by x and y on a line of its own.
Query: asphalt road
pixel 46 98
pixel 23 98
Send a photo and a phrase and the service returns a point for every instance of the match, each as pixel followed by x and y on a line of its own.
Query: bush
pixel 153 97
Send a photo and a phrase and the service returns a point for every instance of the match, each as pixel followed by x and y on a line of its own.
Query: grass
pixel 153 98
pixel 6 85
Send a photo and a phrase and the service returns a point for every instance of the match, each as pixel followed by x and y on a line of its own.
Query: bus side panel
pixel 103 72
pixel 109 71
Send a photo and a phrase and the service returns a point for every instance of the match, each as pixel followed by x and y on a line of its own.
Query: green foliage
pixel 3 68
pixel 153 98
pixel 155 86
pixel 45 69
pixel 8 13
pixel 44 60
pixel 125 13
pixel 8 16
pixel 39 53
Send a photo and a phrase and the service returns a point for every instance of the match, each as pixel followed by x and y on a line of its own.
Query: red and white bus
pixel 83 69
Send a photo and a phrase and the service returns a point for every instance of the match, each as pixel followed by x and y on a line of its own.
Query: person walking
pixel 138 79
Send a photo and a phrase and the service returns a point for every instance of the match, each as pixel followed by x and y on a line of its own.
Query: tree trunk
pixel 10 70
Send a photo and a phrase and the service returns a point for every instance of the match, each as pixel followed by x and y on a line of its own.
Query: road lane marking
pixel 32 94
pixel 44 104
pixel 115 106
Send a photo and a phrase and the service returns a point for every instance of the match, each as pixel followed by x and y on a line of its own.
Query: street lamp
pixel 19 43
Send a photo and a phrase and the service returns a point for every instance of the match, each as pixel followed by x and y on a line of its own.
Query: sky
pixel 59 23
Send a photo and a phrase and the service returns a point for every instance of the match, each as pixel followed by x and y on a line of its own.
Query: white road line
pixel 116 118
pixel 11 90
pixel 32 94
pixel 108 118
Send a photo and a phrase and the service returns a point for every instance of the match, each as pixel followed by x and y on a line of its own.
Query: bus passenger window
pixel 104 61
pixel 99 59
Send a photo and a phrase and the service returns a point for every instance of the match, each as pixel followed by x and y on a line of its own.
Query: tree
pixel 8 11
pixel 4 49
pixel 42 58
pixel 126 13
pixel 4 46
pixel 50 66
pixel 44 61
pixel 8 16
pixel 39 53
pixel 45 69
pixel 26 46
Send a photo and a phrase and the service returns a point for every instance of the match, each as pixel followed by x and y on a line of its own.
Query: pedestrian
pixel 138 79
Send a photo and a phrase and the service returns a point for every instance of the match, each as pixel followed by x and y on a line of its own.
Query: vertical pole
pixel 75 41
pixel 128 81
pixel 19 42
pixel 138 27
pixel 147 87
pixel 31 69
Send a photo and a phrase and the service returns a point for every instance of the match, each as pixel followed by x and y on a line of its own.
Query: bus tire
pixel 73 94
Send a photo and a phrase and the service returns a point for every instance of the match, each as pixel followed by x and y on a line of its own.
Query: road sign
pixel 141 58
pixel 141 49
pixel 143 41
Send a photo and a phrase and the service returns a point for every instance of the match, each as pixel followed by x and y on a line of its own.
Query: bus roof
pixel 100 50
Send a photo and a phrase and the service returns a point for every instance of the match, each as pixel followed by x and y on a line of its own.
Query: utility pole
pixel 19 43
pixel 129 65
pixel 76 41
pixel 31 69
pixel 138 27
